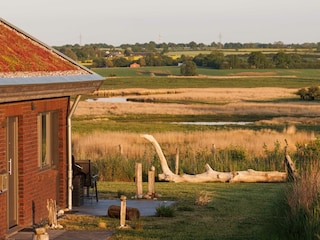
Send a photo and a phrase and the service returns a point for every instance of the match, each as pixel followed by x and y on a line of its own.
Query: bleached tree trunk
pixel 258 176
pixel 211 175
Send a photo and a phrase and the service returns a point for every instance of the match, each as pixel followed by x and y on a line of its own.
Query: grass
pixel 198 82
pixel 157 122
pixel 141 78
pixel 236 211
pixel 132 78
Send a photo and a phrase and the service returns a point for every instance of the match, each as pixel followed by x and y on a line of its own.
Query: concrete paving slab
pixel 146 207
pixel 93 208
pixel 67 235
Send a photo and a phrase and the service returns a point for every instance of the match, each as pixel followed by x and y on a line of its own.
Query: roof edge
pixel 45 45
pixel 50 79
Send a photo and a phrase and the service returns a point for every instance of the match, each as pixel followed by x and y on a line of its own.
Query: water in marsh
pixel 108 100
pixel 213 123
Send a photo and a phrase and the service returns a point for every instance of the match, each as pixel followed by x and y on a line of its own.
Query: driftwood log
pixel 211 175
pixel 131 213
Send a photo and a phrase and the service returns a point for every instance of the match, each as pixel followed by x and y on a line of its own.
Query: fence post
pixel 123 207
pixel 138 171
pixel 151 190
pixel 120 149
pixel 177 161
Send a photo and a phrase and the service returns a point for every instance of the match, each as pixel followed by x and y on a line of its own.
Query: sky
pixel 60 22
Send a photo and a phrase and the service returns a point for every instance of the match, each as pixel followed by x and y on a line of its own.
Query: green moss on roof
pixel 19 53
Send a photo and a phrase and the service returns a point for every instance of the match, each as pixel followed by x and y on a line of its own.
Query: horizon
pixel 206 45
pixel 128 22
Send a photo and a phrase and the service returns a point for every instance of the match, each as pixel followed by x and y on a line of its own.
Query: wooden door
pixel 12 159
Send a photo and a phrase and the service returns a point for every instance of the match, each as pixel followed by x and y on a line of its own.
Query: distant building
pixel 134 65
pixel 36 83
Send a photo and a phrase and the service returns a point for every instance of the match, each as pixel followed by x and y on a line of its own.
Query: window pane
pixel 48 138
pixel 44 143
pixel 54 138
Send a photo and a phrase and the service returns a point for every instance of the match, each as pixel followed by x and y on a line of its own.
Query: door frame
pixel 12 166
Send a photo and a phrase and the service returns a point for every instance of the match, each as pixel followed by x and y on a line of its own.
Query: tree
pixel 142 62
pixel 127 52
pixel 188 68
pixel 68 52
pixel 318 47
pixel 109 63
pixel 151 46
pixel 200 60
pixel 99 62
pixel 215 59
pixel 120 62
pixel 193 45
pixel 234 61
pixel 281 60
pixel 214 45
pixel 257 60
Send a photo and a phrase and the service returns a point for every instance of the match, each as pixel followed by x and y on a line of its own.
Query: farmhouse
pixel 36 85
pixel 134 65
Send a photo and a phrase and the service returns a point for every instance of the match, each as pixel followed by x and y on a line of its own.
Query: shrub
pixel 202 198
pixel 312 93
pixel 165 211
pixel 188 68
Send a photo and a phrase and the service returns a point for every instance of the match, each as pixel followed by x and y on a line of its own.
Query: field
pixel 242 51
pixel 276 114
pixel 109 134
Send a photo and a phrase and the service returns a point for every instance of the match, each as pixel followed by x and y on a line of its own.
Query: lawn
pixel 236 211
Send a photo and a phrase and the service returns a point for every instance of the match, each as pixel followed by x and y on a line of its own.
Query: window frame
pixel 48 139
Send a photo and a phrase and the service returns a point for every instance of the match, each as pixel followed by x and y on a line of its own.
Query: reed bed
pixel 100 144
pixel 302 205
pixel 115 153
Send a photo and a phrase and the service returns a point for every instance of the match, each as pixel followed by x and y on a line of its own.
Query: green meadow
pixel 157 77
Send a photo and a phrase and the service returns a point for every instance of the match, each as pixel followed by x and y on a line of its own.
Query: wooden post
pixel 151 190
pixel 290 168
pixel 213 149
pixel 120 149
pixel 139 180
pixel 52 216
pixel 177 161
pixel 123 207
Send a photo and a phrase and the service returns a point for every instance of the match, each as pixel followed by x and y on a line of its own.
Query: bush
pixel 165 211
pixel 188 68
pixel 312 93
pixel 202 198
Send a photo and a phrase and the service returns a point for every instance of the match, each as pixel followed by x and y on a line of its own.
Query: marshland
pixel 108 133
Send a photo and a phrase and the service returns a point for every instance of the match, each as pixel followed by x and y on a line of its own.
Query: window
pixel 48 138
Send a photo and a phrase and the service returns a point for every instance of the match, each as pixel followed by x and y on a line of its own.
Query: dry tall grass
pixel 302 219
pixel 101 144
pixel 305 191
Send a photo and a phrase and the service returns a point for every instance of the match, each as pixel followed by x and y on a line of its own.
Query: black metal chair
pixel 89 180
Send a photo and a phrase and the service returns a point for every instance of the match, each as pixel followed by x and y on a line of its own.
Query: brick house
pixel 36 84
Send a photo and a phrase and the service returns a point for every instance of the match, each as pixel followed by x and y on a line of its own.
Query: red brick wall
pixel 35 185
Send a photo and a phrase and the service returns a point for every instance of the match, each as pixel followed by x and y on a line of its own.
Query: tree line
pixel 152 54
